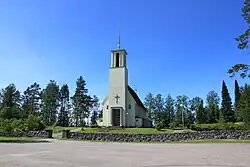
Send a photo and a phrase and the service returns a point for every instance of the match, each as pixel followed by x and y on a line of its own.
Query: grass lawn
pixel 19 139
pixel 59 129
pixel 133 130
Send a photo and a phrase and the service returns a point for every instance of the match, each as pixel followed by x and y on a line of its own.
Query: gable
pixel 136 98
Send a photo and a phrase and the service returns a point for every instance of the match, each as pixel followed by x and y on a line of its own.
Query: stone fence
pixel 156 137
pixel 42 134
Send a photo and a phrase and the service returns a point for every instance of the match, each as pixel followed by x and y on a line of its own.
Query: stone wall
pixel 158 137
pixel 42 134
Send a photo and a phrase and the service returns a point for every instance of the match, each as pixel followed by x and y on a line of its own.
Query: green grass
pixel 59 129
pixel 19 139
pixel 133 130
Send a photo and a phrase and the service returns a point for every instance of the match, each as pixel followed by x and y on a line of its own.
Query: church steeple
pixel 118 56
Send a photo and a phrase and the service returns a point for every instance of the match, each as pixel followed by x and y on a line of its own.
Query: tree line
pixel 51 105
pixel 183 112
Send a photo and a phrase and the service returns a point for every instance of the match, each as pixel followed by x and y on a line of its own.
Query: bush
pixel 95 126
pixel 225 126
pixel 32 123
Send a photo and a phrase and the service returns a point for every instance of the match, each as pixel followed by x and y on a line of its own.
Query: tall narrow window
pixel 117 59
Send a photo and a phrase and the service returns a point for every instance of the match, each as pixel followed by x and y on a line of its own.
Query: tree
pixel 243 40
pixel 244 106
pixel 201 115
pixel 11 102
pixel 236 101
pixel 95 111
pixel 81 102
pixel 212 107
pixel 159 114
pixel 170 112
pixel 181 110
pixel 149 104
pixel 194 104
pixel 50 103
pixel 31 100
pixel 226 105
pixel 63 118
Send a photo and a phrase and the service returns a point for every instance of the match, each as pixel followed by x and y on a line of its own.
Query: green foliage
pixel 201 116
pixel 31 98
pixel 149 104
pixel 63 118
pixel 244 106
pixel 243 40
pixel 212 107
pixel 237 95
pixel 170 112
pixel 50 103
pixel 226 104
pixel 81 101
pixel 217 126
pixel 32 123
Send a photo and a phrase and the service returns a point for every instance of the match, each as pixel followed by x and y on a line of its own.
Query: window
pixel 117 57
pixel 107 107
pixel 129 106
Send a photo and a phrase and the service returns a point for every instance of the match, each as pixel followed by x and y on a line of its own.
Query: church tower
pixel 118 86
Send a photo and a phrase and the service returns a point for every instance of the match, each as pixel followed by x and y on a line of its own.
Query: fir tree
pixel 212 107
pixel 201 115
pixel 11 102
pixel 31 100
pixel 50 103
pixel 170 112
pixel 236 101
pixel 226 105
pixel 63 119
pixel 244 106
pixel 81 101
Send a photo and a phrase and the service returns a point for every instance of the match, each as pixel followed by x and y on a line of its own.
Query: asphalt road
pixel 87 154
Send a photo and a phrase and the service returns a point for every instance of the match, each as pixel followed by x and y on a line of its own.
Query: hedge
pixel 225 126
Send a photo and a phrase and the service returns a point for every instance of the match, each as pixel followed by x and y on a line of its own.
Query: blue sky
pixel 177 47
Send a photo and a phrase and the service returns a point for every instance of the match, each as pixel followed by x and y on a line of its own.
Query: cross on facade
pixel 116 98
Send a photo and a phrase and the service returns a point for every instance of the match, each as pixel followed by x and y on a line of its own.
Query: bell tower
pixel 118 87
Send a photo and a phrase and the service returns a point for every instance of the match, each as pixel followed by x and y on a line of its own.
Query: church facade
pixel 122 106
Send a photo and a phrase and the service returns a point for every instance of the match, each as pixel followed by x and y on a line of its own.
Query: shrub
pixel 32 123
pixel 224 126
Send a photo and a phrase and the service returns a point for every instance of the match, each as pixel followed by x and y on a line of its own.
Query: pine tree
pixel 212 106
pixel 11 102
pixel 181 110
pixel 63 118
pixel 201 115
pixel 226 105
pixel 236 101
pixel 244 106
pixel 159 111
pixel 50 103
pixel 31 100
pixel 81 101
pixel 149 104
pixel 95 110
pixel 170 112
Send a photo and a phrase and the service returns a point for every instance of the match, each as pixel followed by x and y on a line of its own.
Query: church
pixel 122 106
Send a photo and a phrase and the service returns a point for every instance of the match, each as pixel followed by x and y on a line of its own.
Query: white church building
pixel 122 106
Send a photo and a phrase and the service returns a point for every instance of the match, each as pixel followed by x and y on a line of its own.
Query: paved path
pixel 86 154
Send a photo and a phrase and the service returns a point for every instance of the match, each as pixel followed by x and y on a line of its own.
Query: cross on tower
pixel 116 98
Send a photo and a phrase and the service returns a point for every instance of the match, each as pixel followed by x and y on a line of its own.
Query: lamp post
pixel 182 114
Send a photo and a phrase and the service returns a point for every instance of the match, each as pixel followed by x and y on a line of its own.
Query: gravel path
pixel 95 154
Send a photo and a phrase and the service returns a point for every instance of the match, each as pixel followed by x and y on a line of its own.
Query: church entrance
pixel 116 115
